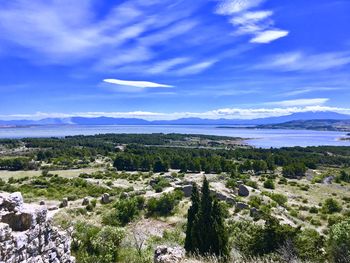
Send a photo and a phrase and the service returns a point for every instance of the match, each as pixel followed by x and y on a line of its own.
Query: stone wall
pixel 27 235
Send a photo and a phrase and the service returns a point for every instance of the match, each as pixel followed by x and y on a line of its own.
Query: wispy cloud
pixel 309 90
pixel 299 61
pixel 128 35
pixel 269 36
pixel 138 84
pixel 229 7
pixel 228 113
pixel 299 102
pixel 258 23
pixel 195 68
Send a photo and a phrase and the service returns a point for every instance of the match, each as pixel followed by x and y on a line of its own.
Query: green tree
pixel 339 242
pixel 207 234
pixel 191 216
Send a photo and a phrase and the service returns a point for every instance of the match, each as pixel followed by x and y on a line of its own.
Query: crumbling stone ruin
pixel 27 235
pixel 164 254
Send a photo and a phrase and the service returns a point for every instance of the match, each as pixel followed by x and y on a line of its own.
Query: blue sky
pixel 160 59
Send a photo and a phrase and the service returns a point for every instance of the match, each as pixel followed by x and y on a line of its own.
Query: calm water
pixel 259 138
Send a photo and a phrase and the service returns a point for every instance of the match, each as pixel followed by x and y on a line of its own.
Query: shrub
pixel 160 183
pixel 269 184
pixel 309 245
pixel 252 184
pixel 278 198
pixel 124 212
pixel 334 219
pixel 164 205
pixel 339 242
pixel 313 210
pixel 255 201
pixel 331 206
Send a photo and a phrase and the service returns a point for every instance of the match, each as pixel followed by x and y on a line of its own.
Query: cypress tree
pixel 205 220
pixel 191 218
pixel 206 233
pixel 220 235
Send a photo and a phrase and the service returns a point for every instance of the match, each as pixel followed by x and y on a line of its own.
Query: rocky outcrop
pixel 26 234
pixel 164 254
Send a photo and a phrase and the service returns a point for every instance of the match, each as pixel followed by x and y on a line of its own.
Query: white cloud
pixel 228 7
pixel 258 23
pixel 138 84
pixel 300 102
pixel 299 61
pixel 309 90
pixel 166 65
pixel 252 22
pixel 195 68
pixel 127 35
pixel 269 36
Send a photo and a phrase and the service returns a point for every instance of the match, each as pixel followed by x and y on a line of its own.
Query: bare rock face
pixel 26 235
pixel 164 254
pixel 243 190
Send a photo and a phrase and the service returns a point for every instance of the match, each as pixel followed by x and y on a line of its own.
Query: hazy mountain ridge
pixel 321 125
pixel 305 116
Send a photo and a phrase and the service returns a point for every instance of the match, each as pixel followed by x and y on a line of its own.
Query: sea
pixel 260 138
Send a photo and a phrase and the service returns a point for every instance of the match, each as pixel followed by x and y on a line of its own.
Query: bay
pixel 264 138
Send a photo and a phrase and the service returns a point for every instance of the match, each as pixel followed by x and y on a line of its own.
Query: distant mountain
pixel 320 125
pixel 108 121
pixel 183 121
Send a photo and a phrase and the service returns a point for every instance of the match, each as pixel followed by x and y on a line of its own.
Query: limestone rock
pixel 243 190
pixel 64 202
pixel 26 235
pixel 86 201
pixel 105 198
pixel 164 254
pixel 11 202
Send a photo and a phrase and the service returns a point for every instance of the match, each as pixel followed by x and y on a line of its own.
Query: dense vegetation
pixel 292 212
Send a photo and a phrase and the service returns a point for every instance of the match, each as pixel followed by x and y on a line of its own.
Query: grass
pixel 70 173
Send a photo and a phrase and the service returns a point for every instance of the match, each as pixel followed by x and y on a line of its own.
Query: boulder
pixel 125 195
pixel 64 202
pixel 86 201
pixel 241 206
pixel 243 190
pixel 105 198
pixel 187 190
pixel 164 254
pixel 42 202
pixel 223 196
pixel 255 213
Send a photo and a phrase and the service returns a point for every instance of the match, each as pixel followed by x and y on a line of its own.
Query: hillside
pixel 320 125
